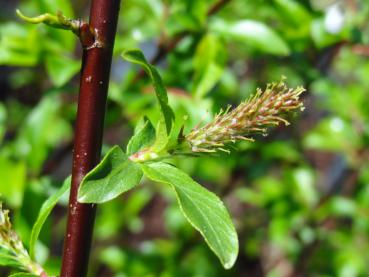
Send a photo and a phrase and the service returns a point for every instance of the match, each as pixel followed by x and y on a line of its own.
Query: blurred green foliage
pixel 299 197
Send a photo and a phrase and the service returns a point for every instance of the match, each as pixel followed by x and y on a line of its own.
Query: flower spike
pixel 262 110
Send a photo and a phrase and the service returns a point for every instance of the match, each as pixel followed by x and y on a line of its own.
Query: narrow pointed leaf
pixel 45 210
pixel 203 209
pixel 58 21
pixel 114 175
pixel 137 57
pixel 162 138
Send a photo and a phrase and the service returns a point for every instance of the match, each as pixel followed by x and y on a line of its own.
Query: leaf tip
pixel 228 264
pixel 21 15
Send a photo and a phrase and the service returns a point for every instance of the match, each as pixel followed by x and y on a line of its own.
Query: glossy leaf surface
pixel 110 178
pixel 203 209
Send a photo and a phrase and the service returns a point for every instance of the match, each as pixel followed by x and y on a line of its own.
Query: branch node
pixel 89 37
pixel 97 43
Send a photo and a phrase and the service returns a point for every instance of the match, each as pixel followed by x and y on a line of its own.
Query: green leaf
pixel 162 138
pixel 19 45
pixel 303 181
pixel 114 175
pixel 58 20
pixel 62 5
pixel 61 68
pixel 176 136
pixel 182 22
pixel 332 134
pixel 322 38
pixel 136 56
pixel 342 206
pixel 144 137
pixel 203 209
pixel 294 11
pixel 186 16
pixel 44 128
pixel 209 64
pixel 253 33
pixel 45 210
pixel 23 274
pixel 3 121
pixel 281 150
pixel 13 180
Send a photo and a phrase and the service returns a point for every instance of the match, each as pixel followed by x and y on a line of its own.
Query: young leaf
pixel 144 137
pixel 58 21
pixel 114 175
pixel 136 56
pixel 203 209
pixel 162 137
pixel 44 213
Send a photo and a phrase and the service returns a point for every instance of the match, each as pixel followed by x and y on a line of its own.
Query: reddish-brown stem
pixel 94 82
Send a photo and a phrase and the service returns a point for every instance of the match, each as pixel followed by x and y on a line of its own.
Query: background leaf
pixel 276 187
pixel 252 33
pixel 203 209
pixel 44 213
pixel 294 11
pixel 23 274
pixel 61 68
pixel 13 180
pixel 2 121
pixel 114 175
pixel 19 45
pixel 209 62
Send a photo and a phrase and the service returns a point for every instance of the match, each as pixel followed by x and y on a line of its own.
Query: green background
pixel 298 197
